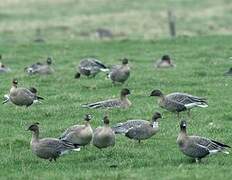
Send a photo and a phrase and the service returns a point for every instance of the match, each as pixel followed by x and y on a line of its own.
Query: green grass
pixel 200 65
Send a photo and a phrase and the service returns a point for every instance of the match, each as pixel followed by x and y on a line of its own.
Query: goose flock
pixel 78 136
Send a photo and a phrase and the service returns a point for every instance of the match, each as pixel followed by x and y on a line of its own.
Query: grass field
pixel 201 62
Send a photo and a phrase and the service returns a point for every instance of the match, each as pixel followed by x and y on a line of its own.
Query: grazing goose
pixel 165 62
pixel 120 73
pixel 228 73
pixel 22 96
pixel 122 102
pixel 48 148
pixel 80 135
pixel 90 67
pixel 198 147
pixel 177 102
pixel 139 129
pixel 104 137
pixel 40 68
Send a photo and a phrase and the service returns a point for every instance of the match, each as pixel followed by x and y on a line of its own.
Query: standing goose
pixel 104 137
pixel 122 102
pixel 177 102
pixel 198 147
pixel 48 148
pixel 40 68
pixel 32 89
pixel 90 67
pixel 120 73
pixel 165 62
pixel 80 135
pixel 22 96
pixel 139 129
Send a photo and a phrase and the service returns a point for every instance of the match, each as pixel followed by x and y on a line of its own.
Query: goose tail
pixel 104 70
pixel 196 104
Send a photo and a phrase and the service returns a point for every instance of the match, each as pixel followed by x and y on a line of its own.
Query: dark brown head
pixel 125 61
pixel 34 127
pixel 125 92
pixel 166 58
pixel 106 120
pixel 88 117
pixel 15 81
pixel 156 92
pixel 156 116
pixel 183 125
pixel 33 90
pixel 49 60
pixel 77 75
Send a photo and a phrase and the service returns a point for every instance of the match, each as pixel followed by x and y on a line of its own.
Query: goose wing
pixel 71 129
pixel 186 98
pixel 56 145
pixel 211 145
pixel 122 128
pixel 111 103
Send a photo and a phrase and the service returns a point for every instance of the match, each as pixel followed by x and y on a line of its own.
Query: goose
pixel 104 137
pixel 139 129
pixel 229 72
pixel 120 73
pixel 48 148
pixel 6 97
pixel 3 68
pixel 80 135
pixel 165 62
pixel 40 68
pixel 178 102
pixel 198 147
pixel 122 102
pixel 90 67
pixel 22 96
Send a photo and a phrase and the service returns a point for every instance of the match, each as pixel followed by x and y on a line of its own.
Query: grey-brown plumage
pixel 90 67
pixel 80 135
pixel 40 68
pixel 104 137
pixel 165 62
pixel 139 129
pixel 198 147
pixel 178 102
pixel 120 73
pixel 122 102
pixel 22 96
pixel 48 148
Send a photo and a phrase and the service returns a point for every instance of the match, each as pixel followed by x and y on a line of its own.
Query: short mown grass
pixel 200 62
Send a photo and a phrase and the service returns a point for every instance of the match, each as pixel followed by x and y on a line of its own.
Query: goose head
pixel 125 61
pixel 77 75
pixel 49 60
pixel 157 93
pixel 88 117
pixel 183 125
pixel 166 58
pixel 34 127
pixel 125 92
pixel 15 82
pixel 106 120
